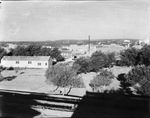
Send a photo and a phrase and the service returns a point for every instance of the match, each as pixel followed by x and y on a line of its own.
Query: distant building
pixel 9 46
pixel 66 54
pixel 137 46
pixel 145 41
pixel 46 47
pixel 110 48
pixel 126 41
pixel 27 61
pixel 77 47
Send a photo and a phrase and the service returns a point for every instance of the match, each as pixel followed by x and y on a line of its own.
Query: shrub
pixel 2 68
pixel 10 68
pixel 104 78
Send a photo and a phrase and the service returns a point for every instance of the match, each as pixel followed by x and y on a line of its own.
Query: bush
pixel 2 68
pixel 10 78
pixel 104 78
pixel 10 68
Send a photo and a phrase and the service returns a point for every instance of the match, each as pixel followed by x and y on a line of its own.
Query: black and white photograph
pixel 77 58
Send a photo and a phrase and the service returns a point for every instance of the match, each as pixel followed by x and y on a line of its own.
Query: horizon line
pixel 70 40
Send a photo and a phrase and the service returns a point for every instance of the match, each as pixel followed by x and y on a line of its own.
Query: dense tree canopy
pixel 139 78
pixel 133 57
pixel 83 64
pixel 129 57
pixel 97 61
pixel 36 50
pixel 100 60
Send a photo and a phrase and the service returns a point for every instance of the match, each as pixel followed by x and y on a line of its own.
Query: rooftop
pixel 28 58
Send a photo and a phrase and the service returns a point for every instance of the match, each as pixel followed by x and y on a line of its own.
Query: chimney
pixel 89 45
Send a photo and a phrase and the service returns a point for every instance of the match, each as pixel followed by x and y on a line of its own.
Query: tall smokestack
pixel 89 45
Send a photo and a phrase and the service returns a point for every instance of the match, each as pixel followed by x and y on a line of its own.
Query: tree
pixel 110 59
pixel 1 77
pixel 32 50
pixel 11 52
pixel 37 50
pixel 144 55
pixel 83 64
pixel 104 78
pixel 97 61
pixel 62 75
pixel 100 60
pixel 129 57
pixel 55 53
pixel 2 53
pixel 139 78
pixel 44 52
pixel 19 51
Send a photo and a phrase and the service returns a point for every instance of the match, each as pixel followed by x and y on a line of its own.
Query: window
pixel 45 64
pixel 17 62
pixel 39 64
pixel 29 62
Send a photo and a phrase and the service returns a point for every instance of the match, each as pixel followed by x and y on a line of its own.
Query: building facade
pixel 27 61
pixel 66 54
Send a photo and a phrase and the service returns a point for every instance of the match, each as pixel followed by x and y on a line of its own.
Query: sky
pixel 43 21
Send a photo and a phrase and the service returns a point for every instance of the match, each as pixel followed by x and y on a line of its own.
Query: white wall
pixel 23 64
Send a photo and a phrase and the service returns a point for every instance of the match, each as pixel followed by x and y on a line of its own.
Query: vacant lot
pixel 26 80
pixel 115 70
pixel 34 80
pixel 31 80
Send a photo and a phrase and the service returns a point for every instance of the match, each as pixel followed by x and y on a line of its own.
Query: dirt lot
pixel 26 80
pixel 115 70
pixel 34 80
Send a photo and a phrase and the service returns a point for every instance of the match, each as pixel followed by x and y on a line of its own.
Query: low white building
pixel 126 41
pixel 27 61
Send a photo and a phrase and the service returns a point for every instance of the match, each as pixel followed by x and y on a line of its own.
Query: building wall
pixel 50 62
pixel 23 64
pixel 66 55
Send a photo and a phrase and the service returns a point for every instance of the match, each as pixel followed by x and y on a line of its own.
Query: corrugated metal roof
pixel 27 58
